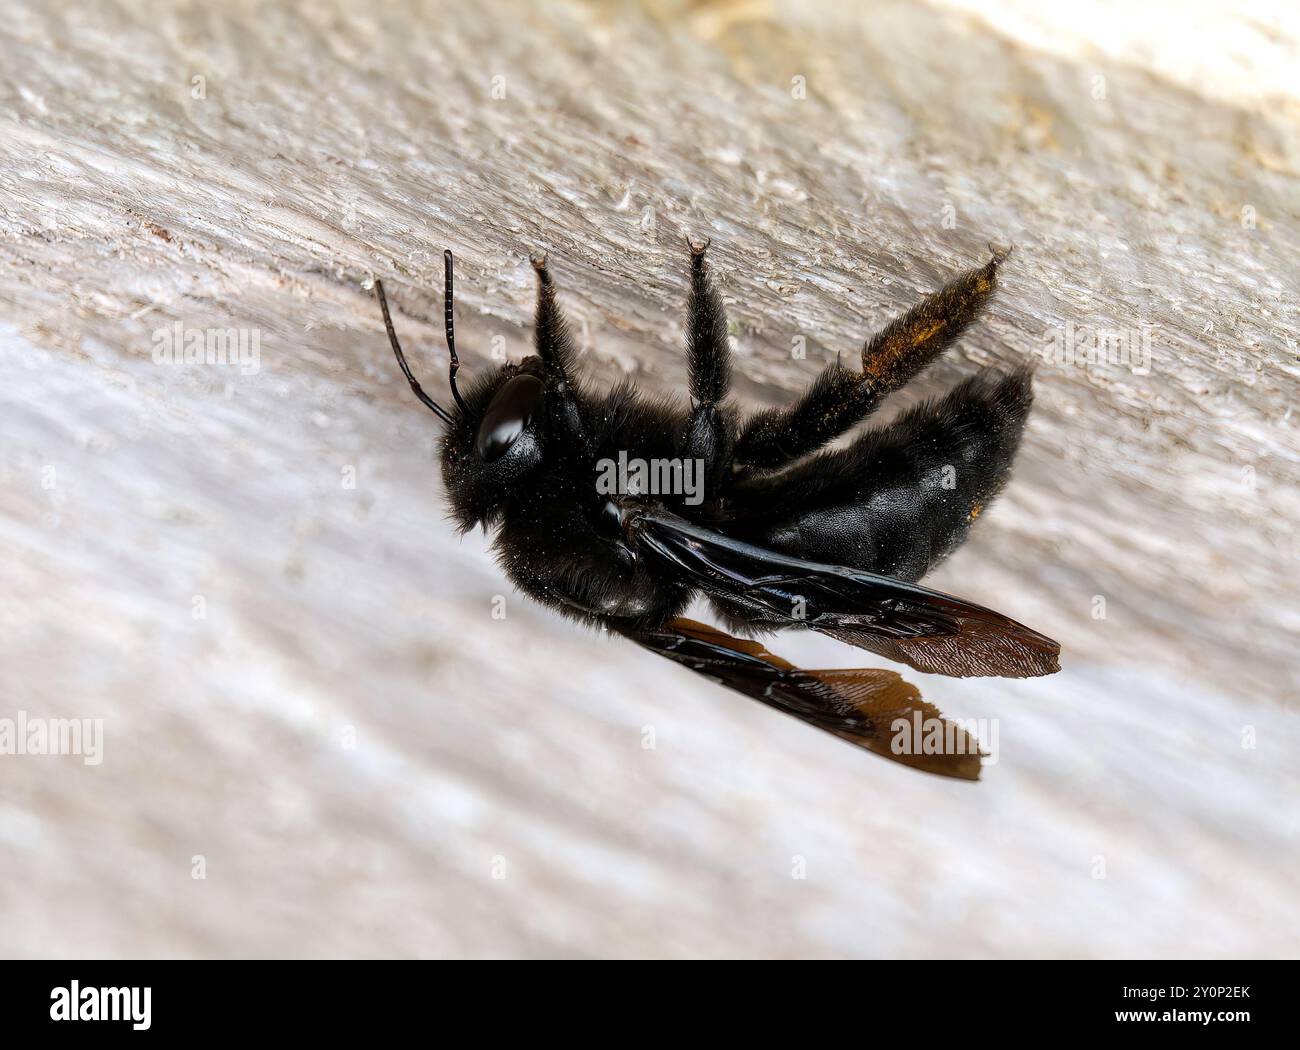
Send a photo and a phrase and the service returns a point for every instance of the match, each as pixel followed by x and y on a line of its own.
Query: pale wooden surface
pixel 335 144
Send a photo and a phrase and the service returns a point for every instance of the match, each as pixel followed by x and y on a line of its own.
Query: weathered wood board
pixel 248 576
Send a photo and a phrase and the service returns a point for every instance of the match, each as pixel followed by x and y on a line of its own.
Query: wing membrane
pixel 859 705
pixel 926 629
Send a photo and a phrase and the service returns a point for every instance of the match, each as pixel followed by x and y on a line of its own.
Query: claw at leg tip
pixel 697 248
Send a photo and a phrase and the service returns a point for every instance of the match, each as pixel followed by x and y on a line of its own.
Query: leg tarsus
pixel 906 345
pixel 551 331
pixel 707 344
pixel 839 398
pixel 710 430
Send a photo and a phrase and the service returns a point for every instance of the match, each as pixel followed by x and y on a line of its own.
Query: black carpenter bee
pixel 774 530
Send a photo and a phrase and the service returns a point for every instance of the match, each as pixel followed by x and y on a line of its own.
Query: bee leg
pixel 555 347
pixel 710 431
pixel 840 398
pixel 707 346
pixel 551 330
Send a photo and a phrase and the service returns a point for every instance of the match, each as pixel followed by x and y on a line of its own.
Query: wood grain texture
pixel 350 738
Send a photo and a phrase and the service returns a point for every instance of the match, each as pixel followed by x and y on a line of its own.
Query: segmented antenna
pixel 451 330
pixel 425 399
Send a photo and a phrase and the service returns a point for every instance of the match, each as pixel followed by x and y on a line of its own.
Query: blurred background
pixel 329 726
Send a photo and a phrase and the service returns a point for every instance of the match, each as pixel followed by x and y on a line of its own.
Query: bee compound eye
pixel 508 415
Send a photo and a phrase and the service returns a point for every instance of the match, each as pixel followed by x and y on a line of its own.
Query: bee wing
pixel 930 631
pixel 861 706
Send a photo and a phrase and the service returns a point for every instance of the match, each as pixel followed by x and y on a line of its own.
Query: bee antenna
pixel 425 399
pixel 451 331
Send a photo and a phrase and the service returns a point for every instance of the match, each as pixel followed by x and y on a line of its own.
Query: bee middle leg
pixel 840 398
pixel 710 430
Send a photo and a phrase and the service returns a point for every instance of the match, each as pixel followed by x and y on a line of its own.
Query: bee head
pixel 495 441
pixel 494 432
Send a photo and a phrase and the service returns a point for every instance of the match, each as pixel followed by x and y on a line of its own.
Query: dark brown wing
pixel 928 630
pixel 875 710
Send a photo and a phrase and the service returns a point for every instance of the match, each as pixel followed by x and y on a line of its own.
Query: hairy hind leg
pixel 840 398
